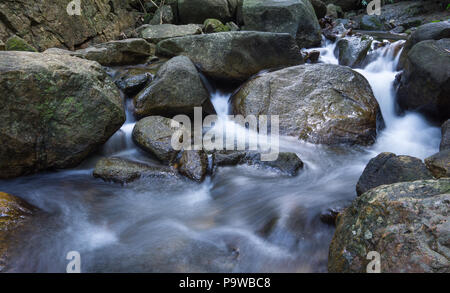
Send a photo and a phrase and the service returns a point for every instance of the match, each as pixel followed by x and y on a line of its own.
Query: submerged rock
pixel 445 141
pixel 157 33
pixel 439 164
pixel 234 55
pixel 124 171
pixel 353 50
pixel 320 103
pixel 55 111
pixel 295 17
pixel 14 213
pixel 176 89
pixel 154 134
pixel 388 168
pixel 407 223
pixel 425 83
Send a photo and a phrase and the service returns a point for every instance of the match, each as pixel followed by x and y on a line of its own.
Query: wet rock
pixel 388 168
pixel 319 8
pixel 197 11
pixel 214 26
pixel 429 31
pixel 346 5
pixel 330 215
pixel 14 213
pixel 296 17
pixel 425 83
pixel 162 15
pixel 55 111
pixel 129 51
pixel 234 55
pixel 45 24
pixel 319 103
pixel 176 89
pixel 313 56
pixel 372 23
pixel 445 141
pixel 335 32
pixel 157 33
pixel 15 43
pixel 193 165
pixel 353 50
pixel 407 223
pixel 133 81
pixel 334 11
pixel 124 171
pixel 286 163
pixel 154 134
pixel 439 164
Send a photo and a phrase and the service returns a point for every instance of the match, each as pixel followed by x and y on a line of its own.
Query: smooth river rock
pixel 234 55
pixel 55 111
pixel 319 103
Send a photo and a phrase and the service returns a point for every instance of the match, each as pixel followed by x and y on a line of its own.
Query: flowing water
pixel 243 219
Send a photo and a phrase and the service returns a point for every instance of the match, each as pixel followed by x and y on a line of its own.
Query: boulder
pixel 197 11
pixel 45 24
pixel 55 111
pixel 429 31
pixel 15 43
pixel 154 134
pixel 123 52
pixel 176 89
pixel 346 5
pixel 388 168
pixel 425 83
pixel 212 25
pixel 193 165
pixel 319 8
pixel 372 23
pixel 445 141
pixel 156 33
pixel 286 163
pixel 407 223
pixel 295 17
pixel 234 55
pixel 334 11
pixel 14 213
pixel 163 14
pixel 319 103
pixel 439 164
pixel 353 50
pixel 133 81
pixel 124 171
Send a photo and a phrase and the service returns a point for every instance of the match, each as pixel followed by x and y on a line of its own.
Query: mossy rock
pixel 16 43
pixel 212 25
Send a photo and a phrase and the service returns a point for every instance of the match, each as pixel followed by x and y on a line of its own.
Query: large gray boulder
pixel 429 31
pixel 55 110
pixel 445 141
pixel 197 11
pixel 425 83
pixel 407 223
pixel 388 168
pixel 234 55
pixel 320 103
pixel 353 50
pixel 439 164
pixel 157 33
pixel 176 89
pixel 295 17
pixel 124 171
pixel 154 135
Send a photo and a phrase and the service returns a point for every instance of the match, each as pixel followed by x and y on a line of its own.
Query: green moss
pixel 16 43
pixel 215 26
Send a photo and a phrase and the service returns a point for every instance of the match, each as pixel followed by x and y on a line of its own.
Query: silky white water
pixel 243 219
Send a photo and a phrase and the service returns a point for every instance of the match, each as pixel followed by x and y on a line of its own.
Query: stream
pixel 243 219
